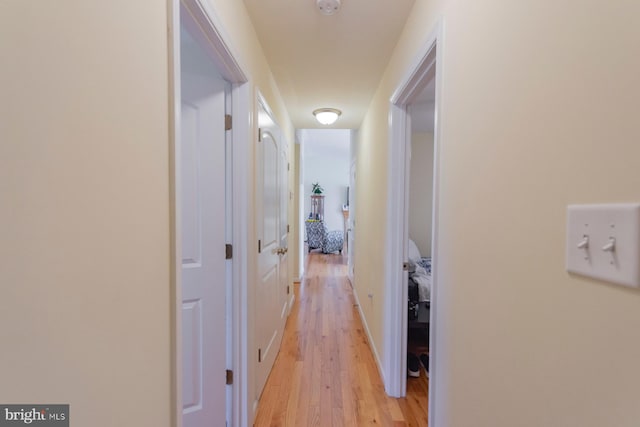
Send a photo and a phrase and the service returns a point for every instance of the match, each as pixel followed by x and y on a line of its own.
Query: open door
pixel 202 229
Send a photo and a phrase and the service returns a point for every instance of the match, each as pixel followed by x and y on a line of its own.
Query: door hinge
pixel 228 122
pixel 288 166
pixel 259 246
pixel 287 289
pixel 287 228
pixel 259 135
pixel 405 266
pixel 259 355
pixel 229 377
pixel 228 250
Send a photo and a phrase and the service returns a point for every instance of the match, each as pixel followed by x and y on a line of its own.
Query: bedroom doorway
pixel 420 153
pixel 417 99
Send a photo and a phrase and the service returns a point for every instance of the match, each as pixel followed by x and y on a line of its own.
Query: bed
pixel 419 283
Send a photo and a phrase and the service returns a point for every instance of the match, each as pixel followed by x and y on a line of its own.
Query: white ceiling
pixel 328 61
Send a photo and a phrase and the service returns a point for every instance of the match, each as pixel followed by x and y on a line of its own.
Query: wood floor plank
pixel 294 396
pixel 325 374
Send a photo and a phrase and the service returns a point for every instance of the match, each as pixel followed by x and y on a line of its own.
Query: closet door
pixel 270 308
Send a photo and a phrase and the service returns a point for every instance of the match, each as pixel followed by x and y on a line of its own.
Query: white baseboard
pixel 369 339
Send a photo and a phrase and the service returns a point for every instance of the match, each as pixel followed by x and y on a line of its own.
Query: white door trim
pixel 301 213
pixel 352 214
pixel 200 14
pixel 428 65
pixel 241 95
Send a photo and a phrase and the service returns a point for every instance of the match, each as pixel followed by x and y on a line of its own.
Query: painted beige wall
pixel 421 191
pixel 84 212
pixel 84 178
pixel 370 216
pixel 539 110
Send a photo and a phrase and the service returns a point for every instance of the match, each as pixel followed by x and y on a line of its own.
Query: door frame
pixel 199 15
pixel 428 65
pixel 278 135
pixel 352 215
pixel 302 255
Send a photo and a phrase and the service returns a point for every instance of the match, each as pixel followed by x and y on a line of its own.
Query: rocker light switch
pixel 603 242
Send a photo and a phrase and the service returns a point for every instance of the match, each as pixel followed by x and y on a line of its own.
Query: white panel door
pixel 284 228
pixel 202 193
pixel 270 308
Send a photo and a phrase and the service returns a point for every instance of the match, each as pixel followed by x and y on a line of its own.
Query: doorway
pixel 427 71
pixel 209 314
pixel 325 159
pixel 203 226
pixel 420 151
pixel 273 289
pixel 351 222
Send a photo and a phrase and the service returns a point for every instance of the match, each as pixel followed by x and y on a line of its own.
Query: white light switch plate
pixel 599 226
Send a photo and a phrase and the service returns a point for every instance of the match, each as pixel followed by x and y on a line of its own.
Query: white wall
pixel 421 191
pixel 327 161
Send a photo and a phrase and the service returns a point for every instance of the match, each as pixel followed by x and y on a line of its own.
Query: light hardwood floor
pixel 325 374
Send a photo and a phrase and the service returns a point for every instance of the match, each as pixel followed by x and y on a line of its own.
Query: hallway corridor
pixel 325 374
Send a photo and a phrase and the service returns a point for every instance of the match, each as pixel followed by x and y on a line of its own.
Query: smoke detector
pixel 328 7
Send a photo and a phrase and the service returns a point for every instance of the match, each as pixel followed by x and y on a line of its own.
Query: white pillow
pixel 414 252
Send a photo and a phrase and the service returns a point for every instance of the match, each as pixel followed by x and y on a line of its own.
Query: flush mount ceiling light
pixel 328 7
pixel 327 116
